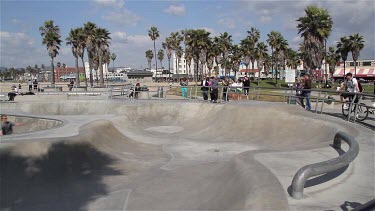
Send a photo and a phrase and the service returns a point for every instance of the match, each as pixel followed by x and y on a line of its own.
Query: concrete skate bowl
pixel 30 124
pixel 158 156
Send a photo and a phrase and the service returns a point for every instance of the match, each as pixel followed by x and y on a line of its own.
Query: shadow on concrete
pixel 67 177
pixel 365 124
pixel 324 177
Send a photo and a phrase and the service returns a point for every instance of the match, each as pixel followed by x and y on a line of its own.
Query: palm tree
pixel 74 39
pixel 332 58
pixel 51 38
pixel 101 42
pixel 253 36
pixel 153 33
pixel 272 40
pixel 343 49
pixel 246 51
pixel 315 28
pixel 113 58
pixel 260 55
pixel 235 58
pixel 280 52
pixel 168 46
pixel 149 56
pixel 175 39
pixel 198 43
pixel 356 44
pixel 224 44
pixel 81 46
pixel 161 57
pixel 89 31
pixel 179 53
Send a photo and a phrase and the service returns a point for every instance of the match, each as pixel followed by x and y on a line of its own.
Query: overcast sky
pixel 129 21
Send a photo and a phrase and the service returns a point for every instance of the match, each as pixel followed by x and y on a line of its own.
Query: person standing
pixel 246 84
pixel 215 89
pixel 7 126
pixel 35 83
pixel 352 87
pixel 205 87
pixel 30 84
pixel 307 92
pixel 184 91
pixel 225 89
pixel 19 89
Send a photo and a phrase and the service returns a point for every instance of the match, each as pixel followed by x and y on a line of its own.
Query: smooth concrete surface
pixel 162 155
pixel 30 124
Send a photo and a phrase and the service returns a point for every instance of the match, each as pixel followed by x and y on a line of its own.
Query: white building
pixel 94 73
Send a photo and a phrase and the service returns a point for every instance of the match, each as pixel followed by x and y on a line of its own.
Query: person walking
pixel 205 87
pixel 307 92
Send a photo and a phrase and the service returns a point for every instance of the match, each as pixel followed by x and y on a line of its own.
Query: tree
pixel 260 55
pixel 280 52
pixel 101 40
pixel 75 39
pixel 167 45
pixel 113 57
pixel 356 44
pixel 149 56
pixel 272 40
pixel 332 58
pixel 51 38
pixel 343 49
pixel 89 30
pixel 253 37
pixel 315 28
pixel 235 58
pixel 175 39
pixel 153 33
pixel 224 44
pixel 161 57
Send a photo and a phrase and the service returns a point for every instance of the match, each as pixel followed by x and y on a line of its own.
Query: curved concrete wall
pixel 30 124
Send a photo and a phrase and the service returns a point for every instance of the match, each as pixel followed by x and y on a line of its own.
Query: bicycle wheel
pixel 345 112
pixel 362 112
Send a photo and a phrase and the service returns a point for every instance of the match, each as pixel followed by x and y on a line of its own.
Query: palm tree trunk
pixel 156 60
pixel 90 67
pixel 169 68
pixel 101 71
pixel 77 72
pixel 355 68
pixel 178 75
pixel 272 62
pixel 84 70
pixel 52 73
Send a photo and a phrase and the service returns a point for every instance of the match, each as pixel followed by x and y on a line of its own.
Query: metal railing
pixel 304 173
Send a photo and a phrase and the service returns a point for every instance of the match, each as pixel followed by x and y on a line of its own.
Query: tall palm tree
pixel 101 41
pixel 332 58
pixel 280 52
pixel 253 36
pixel 272 40
pixel 81 46
pixel 176 39
pixel 161 57
pixel 179 53
pixel 74 39
pixel 153 33
pixel 188 59
pixel 149 56
pixel 168 46
pixel 315 28
pixel 235 58
pixel 260 56
pixel 343 48
pixel 89 31
pixel 198 42
pixel 356 44
pixel 113 58
pixel 51 38
pixel 246 51
pixel 224 43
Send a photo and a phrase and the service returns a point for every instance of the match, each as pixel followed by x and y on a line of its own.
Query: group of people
pixel 32 84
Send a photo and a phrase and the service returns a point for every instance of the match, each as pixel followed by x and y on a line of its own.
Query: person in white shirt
pixel 351 86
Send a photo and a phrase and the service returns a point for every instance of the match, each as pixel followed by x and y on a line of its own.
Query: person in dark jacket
pixel 214 89
pixel 205 86
pixel 246 84
pixel 306 93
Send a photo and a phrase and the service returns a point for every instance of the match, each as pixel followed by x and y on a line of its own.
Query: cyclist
pixel 351 86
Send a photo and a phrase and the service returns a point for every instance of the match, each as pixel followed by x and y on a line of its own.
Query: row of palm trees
pixel 95 40
pixel 220 50
pixel 315 28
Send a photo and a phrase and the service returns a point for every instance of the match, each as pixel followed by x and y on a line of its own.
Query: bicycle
pixel 362 112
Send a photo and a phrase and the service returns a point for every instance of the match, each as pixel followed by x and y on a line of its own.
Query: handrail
pixel 304 173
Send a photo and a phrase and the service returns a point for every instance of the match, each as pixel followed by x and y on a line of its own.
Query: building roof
pixel 139 73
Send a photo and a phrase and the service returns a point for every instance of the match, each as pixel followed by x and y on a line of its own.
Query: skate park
pixel 114 154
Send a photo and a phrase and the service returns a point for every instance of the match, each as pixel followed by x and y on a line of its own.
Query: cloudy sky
pixel 129 21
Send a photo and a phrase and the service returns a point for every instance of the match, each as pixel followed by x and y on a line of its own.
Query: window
pixel 366 63
pixel 352 63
